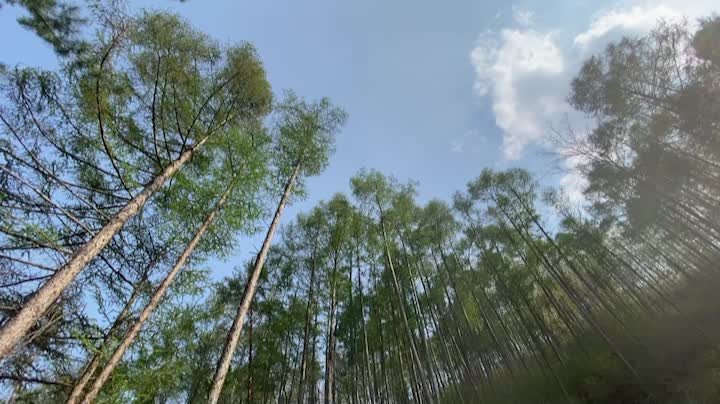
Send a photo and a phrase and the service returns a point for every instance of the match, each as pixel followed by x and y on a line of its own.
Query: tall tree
pixel 123 82
pixel 304 140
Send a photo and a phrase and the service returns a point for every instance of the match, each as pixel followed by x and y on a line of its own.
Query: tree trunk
pixel 313 351
pixel 582 305
pixel 355 374
pixel 31 312
pixel 154 301
pixel 401 303
pixel 330 356
pixel 383 369
pixel 92 366
pixel 250 356
pixel 369 366
pixel 234 334
pixel 306 335
pixel 292 379
pixel 431 368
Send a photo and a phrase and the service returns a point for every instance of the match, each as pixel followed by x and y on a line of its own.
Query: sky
pixel 435 90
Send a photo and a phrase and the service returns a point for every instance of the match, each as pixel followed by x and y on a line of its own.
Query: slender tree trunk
pixel 461 336
pixel 455 365
pixel 306 335
pixel 366 348
pixel 355 373
pixel 505 289
pixel 292 379
pixel 580 303
pixel 313 352
pixel 234 334
pixel 382 362
pixel 368 390
pixel 92 366
pixel 570 320
pixel 250 356
pixel 411 379
pixel 330 355
pixel 154 301
pixel 396 285
pixel 12 332
pixel 431 367
pixel 284 372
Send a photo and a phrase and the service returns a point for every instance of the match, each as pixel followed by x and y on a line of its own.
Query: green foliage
pixel 509 294
pixel 57 22
pixel 706 38
pixel 305 134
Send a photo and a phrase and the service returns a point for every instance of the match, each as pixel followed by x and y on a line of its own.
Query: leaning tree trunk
pixel 401 303
pixel 94 363
pixel 31 312
pixel 250 358
pixel 154 301
pixel 234 335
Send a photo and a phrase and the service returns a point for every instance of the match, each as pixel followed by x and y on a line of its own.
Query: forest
pixel 154 151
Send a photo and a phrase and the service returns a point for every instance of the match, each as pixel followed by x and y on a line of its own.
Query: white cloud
pixel 522 16
pixel 572 182
pixel 631 20
pixel 518 71
pixel 525 75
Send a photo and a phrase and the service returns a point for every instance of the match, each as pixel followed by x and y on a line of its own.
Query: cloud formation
pixel 518 70
pixel 526 76
pixel 624 21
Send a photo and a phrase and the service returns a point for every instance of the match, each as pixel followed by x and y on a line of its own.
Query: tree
pixel 650 161
pixel 304 139
pixel 123 79
pixel 377 194
pixel 56 22
pixel 511 293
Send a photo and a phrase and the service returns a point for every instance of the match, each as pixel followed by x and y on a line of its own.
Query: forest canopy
pixel 154 150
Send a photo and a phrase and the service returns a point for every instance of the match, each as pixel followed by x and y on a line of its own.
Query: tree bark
pixel 92 366
pixel 31 312
pixel 313 352
pixel 330 355
pixel 154 302
pixel 234 335
pixel 396 285
pixel 250 357
pixel 306 334
pixel 367 391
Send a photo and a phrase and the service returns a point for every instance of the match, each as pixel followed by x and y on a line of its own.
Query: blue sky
pixel 435 90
